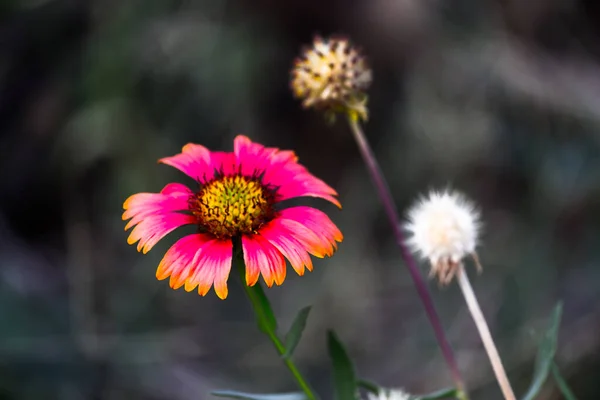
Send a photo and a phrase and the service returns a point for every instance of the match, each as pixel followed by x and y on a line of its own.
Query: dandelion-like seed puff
pixel 238 198
pixel 389 394
pixel 332 75
pixel 444 228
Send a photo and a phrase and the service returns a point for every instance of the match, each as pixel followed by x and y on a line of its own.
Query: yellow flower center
pixel 232 205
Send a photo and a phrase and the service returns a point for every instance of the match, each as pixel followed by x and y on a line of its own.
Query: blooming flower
pixel 444 228
pixel 238 199
pixel 332 75
pixel 389 394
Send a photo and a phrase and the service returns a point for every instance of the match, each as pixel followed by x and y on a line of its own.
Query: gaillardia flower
pixel 444 228
pixel 238 199
pixel 332 75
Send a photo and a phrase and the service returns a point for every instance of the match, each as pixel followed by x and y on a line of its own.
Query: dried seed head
pixel 332 75
pixel 389 394
pixel 444 228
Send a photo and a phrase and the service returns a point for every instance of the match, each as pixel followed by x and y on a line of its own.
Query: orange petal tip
pixel 269 282
pixel 187 146
pixel 251 282
pixel 127 201
pixel 222 294
pixel 203 289
pixel 161 275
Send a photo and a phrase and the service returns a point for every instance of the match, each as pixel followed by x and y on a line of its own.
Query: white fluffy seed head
pixel 444 228
pixel 389 394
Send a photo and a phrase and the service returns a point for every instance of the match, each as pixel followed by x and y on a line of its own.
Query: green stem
pixel 255 293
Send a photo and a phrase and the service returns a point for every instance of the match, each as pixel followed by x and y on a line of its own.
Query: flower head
pixel 444 228
pixel 332 75
pixel 389 394
pixel 238 199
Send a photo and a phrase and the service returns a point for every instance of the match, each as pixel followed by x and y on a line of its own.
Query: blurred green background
pixel 500 98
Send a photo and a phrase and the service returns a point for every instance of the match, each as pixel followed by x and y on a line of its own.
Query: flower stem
pixel 393 216
pixel 484 332
pixel 266 322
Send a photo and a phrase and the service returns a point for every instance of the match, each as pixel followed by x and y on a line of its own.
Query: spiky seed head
pixel 332 75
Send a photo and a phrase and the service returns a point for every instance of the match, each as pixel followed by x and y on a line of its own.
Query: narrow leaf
pixel 368 386
pixel 450 393
pixel 250 396
pixel 292 338
pixel 562 383
pixel 265 317
pixel 346 387
pixel 545 355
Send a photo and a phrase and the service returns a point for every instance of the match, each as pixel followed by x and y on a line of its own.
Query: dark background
pixel 499 98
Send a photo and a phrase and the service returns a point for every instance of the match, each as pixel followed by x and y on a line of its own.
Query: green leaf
pixel 545 355
pixel 265 317
pixel 450 393
pixel 346 387
pixel 250 396
pixel 562 383
pixel 292 338
pixel 368 386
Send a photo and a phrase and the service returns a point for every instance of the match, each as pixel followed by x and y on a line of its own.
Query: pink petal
pixel 253 158
pixel 173 197
pixel 260 255
pixel 308 223
pixel 150 230
pixel 198 260
pixel 306 185
pixel 294 180
pixel 213 266
pixel 284 240
pixel 280 170
pixel 156 215
pixel 194 160
pixel 309 240
pixel 143 205
pixel 176 189
pixel 180 261
pixel 224 162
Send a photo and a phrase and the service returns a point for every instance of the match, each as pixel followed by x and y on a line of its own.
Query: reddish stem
pixel 392 214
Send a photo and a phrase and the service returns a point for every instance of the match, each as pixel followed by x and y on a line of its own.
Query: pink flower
pixel 238 200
